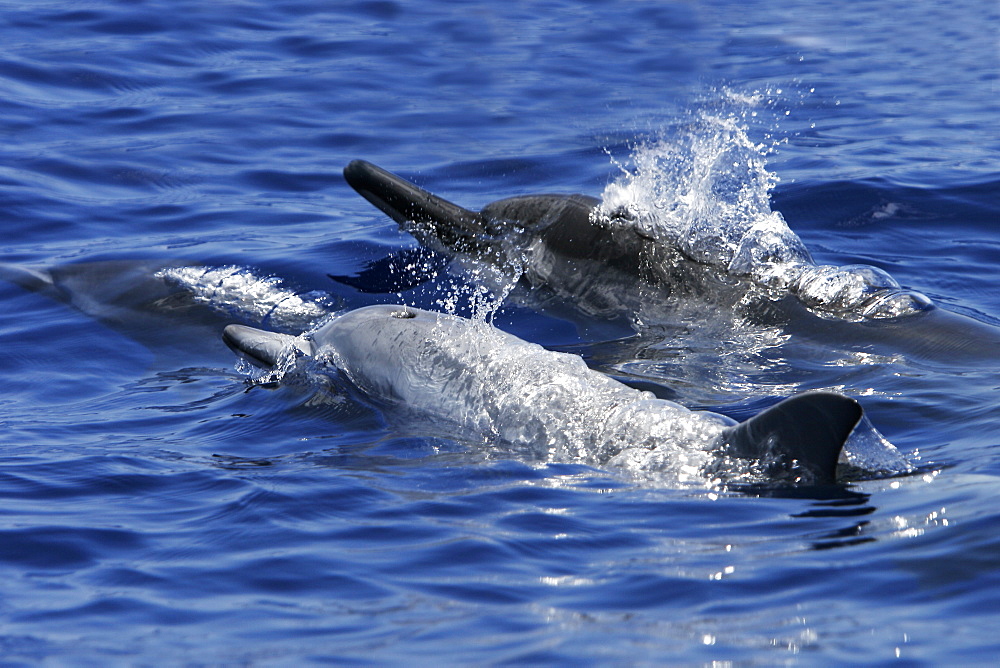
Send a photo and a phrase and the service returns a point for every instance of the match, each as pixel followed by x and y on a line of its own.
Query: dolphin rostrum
pixel 499 386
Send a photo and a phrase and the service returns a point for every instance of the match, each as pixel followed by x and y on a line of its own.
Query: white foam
pixel 240 291
pixel 705 191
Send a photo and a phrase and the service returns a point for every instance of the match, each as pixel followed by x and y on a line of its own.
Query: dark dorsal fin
pixel 423 214
pixel 799 438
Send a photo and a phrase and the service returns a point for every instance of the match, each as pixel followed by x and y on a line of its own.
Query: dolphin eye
pixel 403 314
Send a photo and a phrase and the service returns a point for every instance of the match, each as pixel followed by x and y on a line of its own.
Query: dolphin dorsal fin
pixel 799 438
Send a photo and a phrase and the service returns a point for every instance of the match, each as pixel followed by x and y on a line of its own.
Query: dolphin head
pixel 374 341
pixel 400 352
pixel 358 334
pixel 373 327
pixel 375 345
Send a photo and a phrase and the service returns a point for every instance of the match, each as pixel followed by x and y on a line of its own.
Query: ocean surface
pixel 159 508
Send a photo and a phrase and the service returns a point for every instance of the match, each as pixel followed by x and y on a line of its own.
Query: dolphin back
pixel 799 439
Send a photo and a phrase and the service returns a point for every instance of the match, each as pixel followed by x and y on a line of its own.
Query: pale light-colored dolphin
pixel 499 386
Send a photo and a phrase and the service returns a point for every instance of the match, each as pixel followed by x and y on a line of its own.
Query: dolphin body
pixel 571 244
pixel 568 250
pixel 497 385
pixel 576 257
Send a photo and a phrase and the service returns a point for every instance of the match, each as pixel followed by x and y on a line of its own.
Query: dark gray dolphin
pixel 572 253
pixel 498 385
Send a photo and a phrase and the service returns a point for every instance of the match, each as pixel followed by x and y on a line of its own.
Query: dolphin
pixel 560 240
pixel 499 386
pixel 146 298
pixel 570 251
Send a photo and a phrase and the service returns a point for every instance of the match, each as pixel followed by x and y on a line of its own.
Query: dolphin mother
pixel 500 386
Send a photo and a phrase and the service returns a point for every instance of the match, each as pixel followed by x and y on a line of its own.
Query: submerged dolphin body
pixel 129 297
pixel 495 384
pixel 146 298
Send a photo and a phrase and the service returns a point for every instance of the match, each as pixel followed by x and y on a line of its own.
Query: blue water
pixel 155 511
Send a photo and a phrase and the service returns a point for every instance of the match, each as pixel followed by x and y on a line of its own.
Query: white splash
pixel 241 292
pixel 870 452
pixel 486 284
pixel 706 193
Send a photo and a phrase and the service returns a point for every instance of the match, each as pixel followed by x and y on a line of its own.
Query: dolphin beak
pixel 406 202
pixel 260 347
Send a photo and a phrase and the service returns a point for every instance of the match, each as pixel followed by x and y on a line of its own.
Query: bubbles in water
pixel 282 371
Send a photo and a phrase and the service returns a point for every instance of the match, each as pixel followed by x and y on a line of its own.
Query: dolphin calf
pixel 499 386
